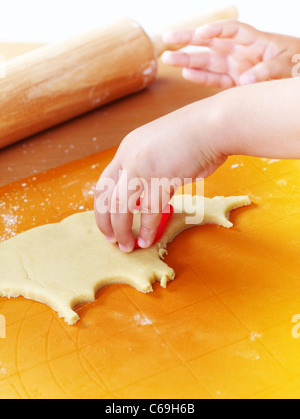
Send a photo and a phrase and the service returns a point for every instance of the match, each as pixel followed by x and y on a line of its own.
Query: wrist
pixel 229 119
pixel 215 124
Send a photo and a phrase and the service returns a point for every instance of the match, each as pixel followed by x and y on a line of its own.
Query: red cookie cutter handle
pixel 166 215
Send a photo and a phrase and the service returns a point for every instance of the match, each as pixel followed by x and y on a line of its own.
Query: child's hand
pixel 238 54
pixel 182 145
pixel 260 120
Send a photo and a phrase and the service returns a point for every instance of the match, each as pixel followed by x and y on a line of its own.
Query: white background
pixel 54 20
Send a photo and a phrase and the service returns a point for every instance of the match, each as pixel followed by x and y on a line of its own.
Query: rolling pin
pixel 58 82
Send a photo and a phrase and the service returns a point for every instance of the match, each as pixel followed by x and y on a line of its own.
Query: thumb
pixel 265 71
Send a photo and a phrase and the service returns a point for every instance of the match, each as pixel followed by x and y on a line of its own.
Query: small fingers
pixel 122 213
pixel 103 196
pixel 152 207
pixel 241 33
pixel 265 71
pixel 180 37
pixel 209 61
pixel 114 205
pixel 208 79
pixel 190 37
pixel 219 35
pixel 177 59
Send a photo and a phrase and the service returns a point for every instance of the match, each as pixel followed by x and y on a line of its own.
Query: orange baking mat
pixel 222 329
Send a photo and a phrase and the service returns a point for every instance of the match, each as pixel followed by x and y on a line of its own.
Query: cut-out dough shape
pixel 65 264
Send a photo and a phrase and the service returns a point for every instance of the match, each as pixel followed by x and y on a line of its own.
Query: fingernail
pixel 247 79
pixel 165 56
pixel 110 239
pixel 201 30
pixel 166 36
pixel 186 72
pixel 124 249
pixel 143 243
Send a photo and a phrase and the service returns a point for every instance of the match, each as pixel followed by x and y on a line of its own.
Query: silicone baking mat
pixel 222 329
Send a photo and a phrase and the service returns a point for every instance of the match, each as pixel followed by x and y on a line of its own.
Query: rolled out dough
pixel 65 264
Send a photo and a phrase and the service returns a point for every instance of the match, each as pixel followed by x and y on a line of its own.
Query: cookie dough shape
pixel 65 264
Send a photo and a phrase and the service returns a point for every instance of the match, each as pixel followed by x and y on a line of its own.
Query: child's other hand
pixel 238 54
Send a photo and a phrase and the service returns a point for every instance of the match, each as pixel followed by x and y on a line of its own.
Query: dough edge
pixel 217 211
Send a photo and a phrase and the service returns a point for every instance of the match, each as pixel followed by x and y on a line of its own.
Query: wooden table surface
pixel 97 130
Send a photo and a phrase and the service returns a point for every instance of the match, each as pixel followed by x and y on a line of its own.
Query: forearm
pixel 261 120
